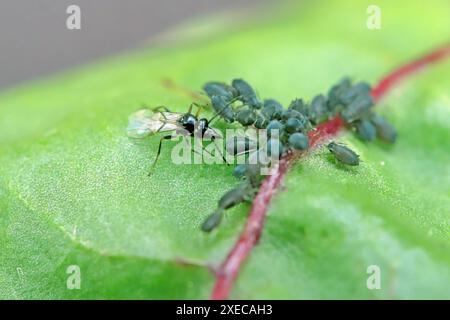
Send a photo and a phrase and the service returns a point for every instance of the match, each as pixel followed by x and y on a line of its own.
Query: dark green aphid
pixel 261 121
pixel 293 125
pixel 291 113
pixel 222 107
pixel 253 176
pixel 215 88
pixel 233 197
pixel 357 108
pixel 319 109
pixel 344 154
pixel 275 148
pixel 299 141
pixel 246 93
pixel 299 106
pixel 337 91
pixel 239 171
pixel 250 171
pixel 274 128
pixel 335 95
pixel 213 221
pixel 272 109
pixel 359 89
pixel 246 117
pixel 385 130
pixel 365 130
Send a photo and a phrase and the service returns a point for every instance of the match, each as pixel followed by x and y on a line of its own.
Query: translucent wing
pixel 145 122
pixel 212 133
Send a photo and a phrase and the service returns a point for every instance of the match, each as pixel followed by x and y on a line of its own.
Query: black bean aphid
pixel 261 121
pixel 344 154
pixel 274 128
pixel 246 117
pixel 246 93
pixel 336 95
pixel 224 90
pixel 299 106
pixel 319 109
pixel 359 89
pixel 239 171
pixel 365 130
pixel 272 109
pixel 275 148
pixel 293 125
pixel 357 108
pixel 243 192
pixel 299 141
pixel 222 108
pixel 385 130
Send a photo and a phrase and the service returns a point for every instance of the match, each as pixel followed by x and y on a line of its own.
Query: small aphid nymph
pixel 385 130
pixel 246 117
pixel 365 130
pixel 272 109
pixel 299 141
pixel 214 88
pixel 222 108
pixel 246 93
pixel 241 193
pixel 344 154
pixel 319 109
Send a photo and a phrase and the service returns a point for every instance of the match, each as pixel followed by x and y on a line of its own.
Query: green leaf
pixel 74 189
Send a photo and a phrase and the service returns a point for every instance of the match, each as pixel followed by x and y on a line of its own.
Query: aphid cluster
pixel 239 102
pixel 286 129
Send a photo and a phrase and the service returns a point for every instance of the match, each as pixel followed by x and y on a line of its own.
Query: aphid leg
pixel 193 150
pixel 158 153
pixel 203 148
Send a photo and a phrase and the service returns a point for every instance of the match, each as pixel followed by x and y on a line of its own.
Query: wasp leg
pixel 198 106
pixel 156 109
pixel 217 147
pixel 213 139
pixel 159 152
pixel 214 117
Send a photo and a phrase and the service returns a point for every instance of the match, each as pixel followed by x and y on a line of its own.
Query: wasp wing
pixel 145 122
pixel 212 134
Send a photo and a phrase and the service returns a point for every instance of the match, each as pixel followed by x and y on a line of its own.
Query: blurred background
pixel 35 41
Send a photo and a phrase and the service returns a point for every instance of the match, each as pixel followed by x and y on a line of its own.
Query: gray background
pixel 34 40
